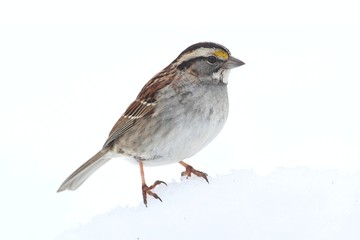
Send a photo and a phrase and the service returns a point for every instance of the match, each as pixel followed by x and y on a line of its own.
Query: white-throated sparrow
pixel 176 114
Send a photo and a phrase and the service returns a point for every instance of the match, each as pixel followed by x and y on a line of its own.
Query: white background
pixel 69 69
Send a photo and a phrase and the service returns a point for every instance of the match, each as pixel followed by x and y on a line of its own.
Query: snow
pixel 295 203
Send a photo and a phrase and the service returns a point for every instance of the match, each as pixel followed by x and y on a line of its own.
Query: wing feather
pixel 143 106
pixel 138 109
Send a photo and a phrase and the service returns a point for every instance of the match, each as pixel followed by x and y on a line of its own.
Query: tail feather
pixel 84 171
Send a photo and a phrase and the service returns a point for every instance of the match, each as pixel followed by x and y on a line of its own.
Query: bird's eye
pixel 212 59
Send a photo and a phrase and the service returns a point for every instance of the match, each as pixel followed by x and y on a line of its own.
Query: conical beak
pixel 233 63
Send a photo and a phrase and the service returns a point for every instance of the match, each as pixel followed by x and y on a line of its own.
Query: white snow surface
pixel 290 203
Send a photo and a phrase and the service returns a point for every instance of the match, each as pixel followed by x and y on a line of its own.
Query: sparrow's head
pixel 207 60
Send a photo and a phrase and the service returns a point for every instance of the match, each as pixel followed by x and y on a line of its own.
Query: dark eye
pixel 212 59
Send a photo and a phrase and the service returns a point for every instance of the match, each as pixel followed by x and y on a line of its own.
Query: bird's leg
pixel 145 189
pixel 189 170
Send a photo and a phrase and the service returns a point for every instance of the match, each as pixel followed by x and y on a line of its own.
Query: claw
pixel 157 183
pixel 147 191
pixel 189 170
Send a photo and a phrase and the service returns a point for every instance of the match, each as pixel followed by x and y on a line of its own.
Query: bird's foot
pixel 190 170
pixel 147 191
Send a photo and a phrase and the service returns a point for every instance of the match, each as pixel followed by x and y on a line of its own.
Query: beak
pixel 232 63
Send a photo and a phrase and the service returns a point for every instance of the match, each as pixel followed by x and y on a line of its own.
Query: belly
pixel 184 140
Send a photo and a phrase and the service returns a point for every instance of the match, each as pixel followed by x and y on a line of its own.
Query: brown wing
pixel 143 106
pixel 138 109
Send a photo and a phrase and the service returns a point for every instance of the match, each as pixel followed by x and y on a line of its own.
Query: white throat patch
pixel 222 75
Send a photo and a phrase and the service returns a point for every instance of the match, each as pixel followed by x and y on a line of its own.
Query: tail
pixel 84 171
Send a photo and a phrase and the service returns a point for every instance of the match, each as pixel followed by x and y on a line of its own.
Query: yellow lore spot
pixel 221 54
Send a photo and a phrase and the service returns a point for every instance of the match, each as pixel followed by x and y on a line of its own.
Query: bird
pixel 175 115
